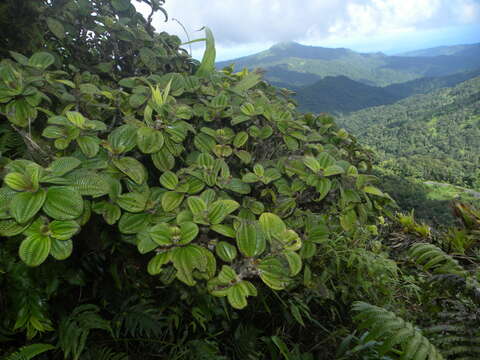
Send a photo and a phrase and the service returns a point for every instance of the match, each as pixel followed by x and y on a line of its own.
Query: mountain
pixel 299 65
pixel 439 50
pixel 339 94
pixel 435 136
pixel 335 94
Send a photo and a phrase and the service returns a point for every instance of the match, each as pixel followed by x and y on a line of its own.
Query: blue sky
pixel 248 26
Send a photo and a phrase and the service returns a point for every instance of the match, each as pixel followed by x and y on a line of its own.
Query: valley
pixel 418 111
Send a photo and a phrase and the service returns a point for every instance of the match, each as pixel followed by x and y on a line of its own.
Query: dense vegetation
pixel 434 136
pixel 154 208
pixel 341 95
pixel 374 69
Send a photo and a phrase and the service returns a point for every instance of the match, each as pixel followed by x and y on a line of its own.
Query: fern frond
pixel 431 257
pixel 104 353
pixel 74 330
pixel 30 351
pixel 458 336
pixel 138 319
pixel 392 331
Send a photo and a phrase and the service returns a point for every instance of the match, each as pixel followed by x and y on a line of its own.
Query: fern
pixel 457 332
pixel 245 342
pixel 11 143
pixel 431 257
pixel 74 329
pixel 30 351
pixel 385 326
pixel 138 320
pixel 104 353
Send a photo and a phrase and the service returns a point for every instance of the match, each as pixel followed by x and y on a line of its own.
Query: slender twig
pixel 31 143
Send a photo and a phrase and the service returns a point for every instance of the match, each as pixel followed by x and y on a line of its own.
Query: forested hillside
pixel 340 94
pixel 372 69
pixel 440 50
pixel 434 136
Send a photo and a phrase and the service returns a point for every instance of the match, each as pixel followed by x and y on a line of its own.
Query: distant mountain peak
pixel 285 45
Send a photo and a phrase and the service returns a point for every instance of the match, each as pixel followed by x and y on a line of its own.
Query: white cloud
pixel 250 22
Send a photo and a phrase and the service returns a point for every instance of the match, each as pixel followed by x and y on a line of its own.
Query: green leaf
pixel 10 228
pixel 250 239
pixel 225 230
pixel 41 60
pixel 189 231
pixel 63 230
pixel 272 225
pixel 156 263
pixel 77 119
pixel 207 65
pixel 28 352
pixel 186 259
pixel 161 234
pixel 333 170
pixel 373 190
pixel 323 188
pixel 169 180
pixel 226 251
pixel 240 139
pixel 132 202
pixel 63 203
pixel 171 200
pixel 272 273
pixel 238 293
pixel 61 250
pixel 247 82
pixel 132 168
pixel 196 205
pixel 64 165
pixel 123 138
pixel 312 163
pixel 110 212
pixel 89 145
pixel 133 223
pixel 145 242
pixel 24 206
pixel 149 140
pixel 294 262
pixel 88 183
pixel 18 182
pixel 348 220
pixel 163 160
pixel 220 209
pixel 34 249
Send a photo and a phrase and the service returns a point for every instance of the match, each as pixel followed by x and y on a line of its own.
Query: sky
pixel 244 27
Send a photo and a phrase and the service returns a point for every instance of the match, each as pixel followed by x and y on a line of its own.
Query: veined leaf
pixel 226 251
pixel 171 200
pixel 61 250
pixel 24 206
pixel 63 230
pixel 63 203
pixel 34 249
pixel 250 239
pixel 132 168
pixel 156 263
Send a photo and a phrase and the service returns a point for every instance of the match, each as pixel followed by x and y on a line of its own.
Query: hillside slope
pixel 372 69
pixel 439 50
pixel 434 136
pixel 340 94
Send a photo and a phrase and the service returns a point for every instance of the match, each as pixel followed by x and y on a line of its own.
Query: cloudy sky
pixel 243 27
